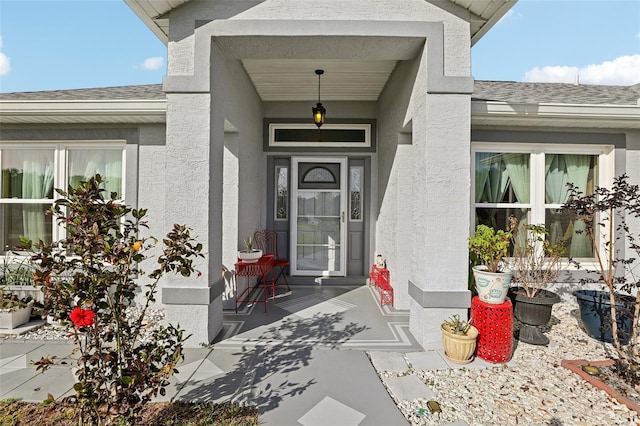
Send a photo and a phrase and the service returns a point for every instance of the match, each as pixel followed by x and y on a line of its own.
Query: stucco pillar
pixel 441 202
pixel 195 149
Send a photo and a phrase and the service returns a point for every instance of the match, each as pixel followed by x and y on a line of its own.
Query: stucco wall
pixel 151 187
pixel 394 163
pixel 244 166
pixel 215 168
pixel 182 45
pixel 633 170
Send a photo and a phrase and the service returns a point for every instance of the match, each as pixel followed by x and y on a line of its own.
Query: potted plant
pixel 536 263
pixel 492 278
pixel 459 340
pixel 250 254
pixel 20 298
pixel 609 315
pixel 18 277
pixel 14 310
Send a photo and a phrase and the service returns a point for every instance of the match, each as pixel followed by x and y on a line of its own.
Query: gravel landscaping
pixel 534 390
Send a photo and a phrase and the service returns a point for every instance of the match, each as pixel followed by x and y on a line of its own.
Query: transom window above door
pixel 308 135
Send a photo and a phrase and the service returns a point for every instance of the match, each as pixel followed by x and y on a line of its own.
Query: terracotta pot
pixel 492 287
pixel 459 348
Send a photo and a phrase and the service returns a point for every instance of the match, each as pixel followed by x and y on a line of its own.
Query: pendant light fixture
pixel 319 111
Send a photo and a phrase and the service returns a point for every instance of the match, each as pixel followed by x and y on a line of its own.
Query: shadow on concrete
pixel 270 369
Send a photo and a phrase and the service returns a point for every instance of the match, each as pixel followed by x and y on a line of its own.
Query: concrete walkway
pixel 298 368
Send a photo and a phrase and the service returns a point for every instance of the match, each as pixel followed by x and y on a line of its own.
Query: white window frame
pixel 537 206
pixel 60 163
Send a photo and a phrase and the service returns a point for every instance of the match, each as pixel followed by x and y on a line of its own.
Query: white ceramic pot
pixel 250 257
pixel 23 291
pixel 14 318
pixel 492 287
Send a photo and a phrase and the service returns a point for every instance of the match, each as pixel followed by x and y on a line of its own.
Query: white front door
pixel 318 223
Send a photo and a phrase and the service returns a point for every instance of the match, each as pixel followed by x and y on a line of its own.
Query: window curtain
pixel 517 167
pixel 556 192
pixel 561 169
pixel 85 164
pixel 491 181
pixel 578 167
pixel 491 170
pixel 37 183
pixel 482 173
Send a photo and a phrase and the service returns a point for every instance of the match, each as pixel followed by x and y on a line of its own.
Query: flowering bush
pixel 89 278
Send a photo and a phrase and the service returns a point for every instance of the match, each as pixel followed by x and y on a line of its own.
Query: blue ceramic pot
pixel 595 315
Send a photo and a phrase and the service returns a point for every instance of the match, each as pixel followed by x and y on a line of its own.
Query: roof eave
pixel 95 111
pixel 492 113
pixel 152 15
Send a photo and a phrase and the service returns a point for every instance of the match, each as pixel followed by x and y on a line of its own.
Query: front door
pixel 318 223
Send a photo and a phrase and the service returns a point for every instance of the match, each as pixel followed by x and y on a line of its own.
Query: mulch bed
pixel 15 412
pixel 607 379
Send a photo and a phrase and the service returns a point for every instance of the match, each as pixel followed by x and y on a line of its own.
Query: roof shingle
pixel 141 92
pixel 558 93
pixel 500 91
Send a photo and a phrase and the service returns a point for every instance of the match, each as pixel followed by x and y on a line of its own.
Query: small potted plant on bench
pixel 250 254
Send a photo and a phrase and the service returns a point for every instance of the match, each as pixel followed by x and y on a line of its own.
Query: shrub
pixel 89 278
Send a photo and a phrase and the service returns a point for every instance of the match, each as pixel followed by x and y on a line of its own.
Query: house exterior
pixel 412 154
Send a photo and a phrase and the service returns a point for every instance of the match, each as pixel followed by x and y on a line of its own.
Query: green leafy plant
pixel 16 270
pixel 536 262
pixel 248 243
pixel 10 302
pixel 457 326
pixel 490 246
pixel 89 278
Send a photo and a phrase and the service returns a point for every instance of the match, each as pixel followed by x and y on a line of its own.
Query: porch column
pixel 438 278
pixel 195 152
pixel 441 205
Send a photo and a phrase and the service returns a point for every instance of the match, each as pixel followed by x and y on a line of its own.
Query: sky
pixel 71 44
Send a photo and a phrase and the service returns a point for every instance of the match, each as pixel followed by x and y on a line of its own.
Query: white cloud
pixel 624 70
pixel 508 16
pixel 5 66
pixel 638 35
pixel 153 64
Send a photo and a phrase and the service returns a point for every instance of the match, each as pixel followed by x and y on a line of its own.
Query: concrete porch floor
pixel 329 316
pixel 310 360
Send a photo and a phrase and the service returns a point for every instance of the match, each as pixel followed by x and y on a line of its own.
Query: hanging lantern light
pixel 319 111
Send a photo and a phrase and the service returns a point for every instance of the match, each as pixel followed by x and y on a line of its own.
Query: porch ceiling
pixel 295 80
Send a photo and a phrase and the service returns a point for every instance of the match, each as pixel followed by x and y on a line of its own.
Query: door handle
pixel 342 215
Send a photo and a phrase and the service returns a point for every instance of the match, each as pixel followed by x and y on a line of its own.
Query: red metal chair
pixel 267 241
